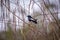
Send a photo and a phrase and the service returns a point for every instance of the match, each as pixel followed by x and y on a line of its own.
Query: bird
pixel 32 19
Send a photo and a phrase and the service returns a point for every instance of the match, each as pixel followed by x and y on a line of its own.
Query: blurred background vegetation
pixel 14 24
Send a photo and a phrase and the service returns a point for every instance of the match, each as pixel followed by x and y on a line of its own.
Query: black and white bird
pixel 32 19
